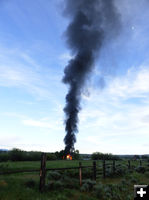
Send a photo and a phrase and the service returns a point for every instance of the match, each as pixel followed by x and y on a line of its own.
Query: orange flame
pixel 69 157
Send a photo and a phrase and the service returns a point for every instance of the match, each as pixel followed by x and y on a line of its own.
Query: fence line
pixel 97 169
pixel 38 170
pixel 100 168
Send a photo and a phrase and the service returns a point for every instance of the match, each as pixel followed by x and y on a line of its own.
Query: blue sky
pixel 33 54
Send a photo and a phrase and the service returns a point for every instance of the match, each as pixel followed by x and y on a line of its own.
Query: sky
pixel 33 54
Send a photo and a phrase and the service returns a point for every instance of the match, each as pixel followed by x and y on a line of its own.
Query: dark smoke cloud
pixel 92 22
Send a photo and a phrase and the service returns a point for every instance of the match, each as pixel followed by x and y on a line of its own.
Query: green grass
pixel 29 165
pixel 14 186
pixel 23 165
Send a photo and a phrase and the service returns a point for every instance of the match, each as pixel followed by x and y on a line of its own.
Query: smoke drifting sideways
pixel 92 22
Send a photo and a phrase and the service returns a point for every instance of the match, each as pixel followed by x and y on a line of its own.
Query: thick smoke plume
pixel 92 22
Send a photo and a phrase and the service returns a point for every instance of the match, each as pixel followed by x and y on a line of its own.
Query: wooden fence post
pixel 129 164
pixel 80 173
pixel 104 169
pixel 94 170
pixel 42 172
pixel 113 166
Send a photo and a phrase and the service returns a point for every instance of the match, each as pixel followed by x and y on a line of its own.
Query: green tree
pixel 105 156
pixel 17 155
pixel 51 156
pixel 59 154
pixel 76 155
pixel 136 157
pixel 97 156
pixel 144 157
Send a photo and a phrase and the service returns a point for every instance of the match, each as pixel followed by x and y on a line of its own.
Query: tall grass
pixel 24 186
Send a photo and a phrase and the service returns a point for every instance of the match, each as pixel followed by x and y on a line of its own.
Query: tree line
pixel 104 156
pixel 20 155
pixel 109 156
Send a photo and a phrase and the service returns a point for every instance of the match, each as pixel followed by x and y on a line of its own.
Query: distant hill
pixel 4 150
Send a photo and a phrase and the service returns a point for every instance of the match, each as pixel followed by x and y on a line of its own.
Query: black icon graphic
pixel 141 192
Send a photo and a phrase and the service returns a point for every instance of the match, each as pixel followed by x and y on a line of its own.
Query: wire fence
pixel 99 169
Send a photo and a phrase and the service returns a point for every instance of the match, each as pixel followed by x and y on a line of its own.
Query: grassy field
pixel 24 186
pixel 24 165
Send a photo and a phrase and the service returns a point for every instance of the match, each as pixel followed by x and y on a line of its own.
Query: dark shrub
pixel 112 192
pixel 129 197
pixel 124 182
pixel 134 180
pixel 54 175
pixel 120 170
pixel 30 183
pixel 4 156
pixel 58 185
pixel 71 173
pixel 85 187
pixel 55 185
pixel 61 180
pixel 88 185
pixel 51 156
pixel 71 183
pixel 87 173
pixel 99 190
pixel 50 185
pixel 140 169
pixel 108 192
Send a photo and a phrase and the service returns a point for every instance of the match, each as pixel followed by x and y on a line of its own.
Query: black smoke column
pixel 92 21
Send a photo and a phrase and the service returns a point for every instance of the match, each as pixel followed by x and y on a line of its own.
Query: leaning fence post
pixel 94 170
pixel 113 166
pixel 104 170
pixel 42 172
pixel 128 164
pixel 80 173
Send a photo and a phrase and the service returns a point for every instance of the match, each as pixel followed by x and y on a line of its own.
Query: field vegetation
pixel 64 184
